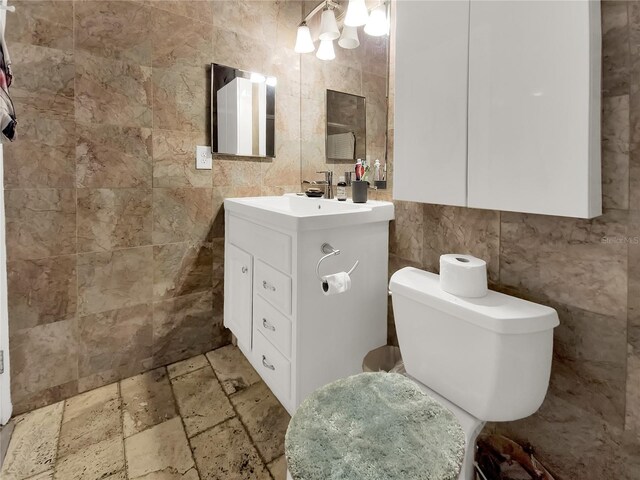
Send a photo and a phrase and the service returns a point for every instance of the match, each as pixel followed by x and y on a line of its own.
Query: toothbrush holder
pixel 359 190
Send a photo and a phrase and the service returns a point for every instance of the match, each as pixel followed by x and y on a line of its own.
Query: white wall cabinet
pixel 432 50
pixel 498 105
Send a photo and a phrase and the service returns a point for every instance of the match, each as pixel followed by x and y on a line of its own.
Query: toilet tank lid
pixel 496 312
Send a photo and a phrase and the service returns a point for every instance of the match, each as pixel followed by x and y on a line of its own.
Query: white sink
pixel 295 212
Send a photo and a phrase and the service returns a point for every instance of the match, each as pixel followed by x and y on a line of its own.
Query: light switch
pixel 203 158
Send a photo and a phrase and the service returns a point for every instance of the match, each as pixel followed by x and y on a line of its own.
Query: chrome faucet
pixel 328 183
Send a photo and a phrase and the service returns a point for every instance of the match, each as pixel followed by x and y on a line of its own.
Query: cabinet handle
pixel 245 269
pixel 267 325
pixel 267 286
pixel 267 364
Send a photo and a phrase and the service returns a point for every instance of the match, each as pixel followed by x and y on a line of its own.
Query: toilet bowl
pixel 485 359
pixel 471 426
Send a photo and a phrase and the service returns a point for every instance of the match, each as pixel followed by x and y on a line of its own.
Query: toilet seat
pixel 371 426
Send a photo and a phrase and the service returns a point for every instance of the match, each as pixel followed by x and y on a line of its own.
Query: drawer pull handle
pixel 267 364
pixel 267 325
pixel 267 286
pixel 245 269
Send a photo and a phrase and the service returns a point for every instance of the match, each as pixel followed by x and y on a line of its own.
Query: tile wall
pixel 114 240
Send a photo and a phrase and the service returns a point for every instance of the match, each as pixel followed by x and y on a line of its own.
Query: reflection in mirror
pixel 346 127
pixel 242 112
pixel 360 72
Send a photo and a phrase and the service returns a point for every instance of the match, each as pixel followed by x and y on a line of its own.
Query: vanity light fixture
pixel 357 13
pixel 304 43
pixel 325 51
pixel 377 25
pixel 328 25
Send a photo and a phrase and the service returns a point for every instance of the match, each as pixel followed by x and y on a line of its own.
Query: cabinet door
pixel 430 150
pixel 238 299
pixel 534 107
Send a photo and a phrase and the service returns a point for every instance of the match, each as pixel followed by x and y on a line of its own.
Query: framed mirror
pixel 346 127
pixel 242 112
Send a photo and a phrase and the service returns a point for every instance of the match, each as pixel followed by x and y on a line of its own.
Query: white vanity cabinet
pixel 498 105
pixel 297 338
pixel 238 293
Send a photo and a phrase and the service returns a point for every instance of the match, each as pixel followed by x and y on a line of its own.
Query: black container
pixel 359 191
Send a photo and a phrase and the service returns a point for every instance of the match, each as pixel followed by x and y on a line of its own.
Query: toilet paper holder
pixel 329 251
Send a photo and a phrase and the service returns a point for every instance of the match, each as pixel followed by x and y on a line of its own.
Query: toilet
pixel 484 359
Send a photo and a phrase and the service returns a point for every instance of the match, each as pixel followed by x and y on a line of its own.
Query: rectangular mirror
pixel 242 112
pixel 346 127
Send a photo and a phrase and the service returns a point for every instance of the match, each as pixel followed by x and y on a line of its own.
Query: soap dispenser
pixel 341 191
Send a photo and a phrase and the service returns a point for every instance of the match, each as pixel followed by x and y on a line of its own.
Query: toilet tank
pixel 491 356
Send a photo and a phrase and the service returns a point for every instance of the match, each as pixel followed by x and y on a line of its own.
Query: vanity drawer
pixel 273 325
pixel 272 367
pixel 273 286
pixel 274 247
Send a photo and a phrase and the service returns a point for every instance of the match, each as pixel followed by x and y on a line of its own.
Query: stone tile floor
pixel 208 417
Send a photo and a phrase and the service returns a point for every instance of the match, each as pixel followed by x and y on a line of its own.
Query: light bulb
pixel 328 25
pixel 349 38
pixel 377 24
pixel 304 43
pixel 357 13
pixel 325 50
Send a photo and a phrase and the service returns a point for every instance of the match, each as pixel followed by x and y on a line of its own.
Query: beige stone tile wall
pixel 114 240
pixel 589 270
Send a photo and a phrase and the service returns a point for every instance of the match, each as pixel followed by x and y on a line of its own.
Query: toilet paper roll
pixel 463 275
pixel 337 283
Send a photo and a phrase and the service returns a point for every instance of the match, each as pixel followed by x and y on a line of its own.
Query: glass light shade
pixel 325 50
pixel 272 81
pixel 357 13
pixel 304 43
pixel 328 25
pixel 377 24
pixel 349 38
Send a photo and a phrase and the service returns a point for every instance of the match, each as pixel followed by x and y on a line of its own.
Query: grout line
pixel 208 428
pixel 246 430
pixel 186 373
pixel 75 252
pixel 124 452
pixel 76 316
pixel 184 427
pixel 55 458
pixel 629 220
pixel 499 279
